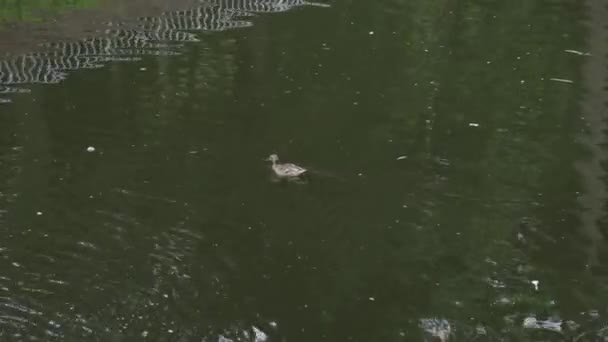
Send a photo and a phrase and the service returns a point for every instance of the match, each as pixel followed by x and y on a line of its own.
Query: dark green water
pixel 457 159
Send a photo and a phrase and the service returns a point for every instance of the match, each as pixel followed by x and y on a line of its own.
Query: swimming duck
pixel 285 169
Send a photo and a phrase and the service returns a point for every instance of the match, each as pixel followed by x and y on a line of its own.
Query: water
pixel 457 187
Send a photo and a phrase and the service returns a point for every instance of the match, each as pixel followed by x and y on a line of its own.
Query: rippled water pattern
pixel 457 174
pixel 148 36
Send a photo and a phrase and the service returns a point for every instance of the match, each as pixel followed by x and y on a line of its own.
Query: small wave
pixel 554 325
pixel 148 36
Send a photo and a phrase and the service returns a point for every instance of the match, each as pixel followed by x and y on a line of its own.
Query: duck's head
pixel 273 158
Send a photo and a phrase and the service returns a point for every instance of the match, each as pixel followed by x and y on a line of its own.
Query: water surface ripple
pixel 131 40
pixel 456 149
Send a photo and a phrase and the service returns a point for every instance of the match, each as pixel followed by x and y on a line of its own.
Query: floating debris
pixel 563 80
pixel 504 301
pixel 90 149
pixel 580 53
pixel 497 284
pixel 401 157
pixel 535 284
pixel 473 124
pixel 86 244
pixel 490 261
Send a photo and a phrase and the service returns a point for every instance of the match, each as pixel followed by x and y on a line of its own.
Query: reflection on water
pixel 443 206
pixel 593 137
pixel 263 6
pixel 437 328
pixel 148 36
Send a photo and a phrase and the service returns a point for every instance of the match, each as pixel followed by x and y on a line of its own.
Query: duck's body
pixel 286 169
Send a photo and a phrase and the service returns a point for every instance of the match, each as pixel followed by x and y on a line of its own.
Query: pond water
pixel 456 152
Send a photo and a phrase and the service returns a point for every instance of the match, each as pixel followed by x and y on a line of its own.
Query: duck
pixel 286 170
